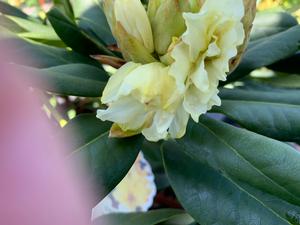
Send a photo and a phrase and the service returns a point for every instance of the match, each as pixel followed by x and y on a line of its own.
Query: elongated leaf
pixel 289 65
pixel 267 51
pixel 72 79
pixel 92 20
pixel 65 6
pixel 282 208
pixel 216 157
pixel 35 54
pixel 209 197
pixel 270 23
pixel 73 36
pixel 107 160
pixel 148 218
pixel 10 25
pixel 41 31
pixel 7 9
pixel 273 114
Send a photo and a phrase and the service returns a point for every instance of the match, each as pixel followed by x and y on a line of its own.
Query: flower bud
pixel 167 20
pixel 250 12
pixel 131 27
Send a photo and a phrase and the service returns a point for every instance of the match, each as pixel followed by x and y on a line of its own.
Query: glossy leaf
pixel 270 23
pixel 72 79
pixel 148 218
pixel 73 36
pixel 65 6
pixel 267 51
pixel 107 160
pixel 35 54
pixel 284 209
pixel 91 19
pixel 271 113
pixel 216 158
pixel 288 65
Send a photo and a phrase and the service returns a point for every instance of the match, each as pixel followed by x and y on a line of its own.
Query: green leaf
pixel 270 23
pixel 148 218
pixel 206 168
pixel 92 20
pixel 7 9
pixel 73 36
pixel 267 51
pixel 71 79
pixel 10 25
pixel 107 160
pixel 35 54
pixel 282 208
pixel 271 113
pixel 288 65
pixel 280 80
pixel 35 29
pixel 65 6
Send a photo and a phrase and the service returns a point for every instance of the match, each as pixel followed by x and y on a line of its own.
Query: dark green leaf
pixel 270 23
pixel 289 65
pixel 73 36
pixel 148 218
pixel 206 167
pixel 92 20
pixel 267 51
pixel 71 79
pixel 107 160
pixel 273 114
pixel 7 9
pixel 34 54
pixel 65 6
pixel 282 208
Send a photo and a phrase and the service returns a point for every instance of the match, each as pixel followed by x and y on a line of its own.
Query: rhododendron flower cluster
pixel 177 53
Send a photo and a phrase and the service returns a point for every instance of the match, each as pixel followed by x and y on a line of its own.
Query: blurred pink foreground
pixel 37 184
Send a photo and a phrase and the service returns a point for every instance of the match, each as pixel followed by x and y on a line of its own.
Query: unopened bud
pixel 131 27
pixel 167 20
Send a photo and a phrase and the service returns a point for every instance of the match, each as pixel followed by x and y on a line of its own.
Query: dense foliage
pixel 240 169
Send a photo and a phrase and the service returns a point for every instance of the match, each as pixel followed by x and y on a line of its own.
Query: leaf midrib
pixel 248 162
pixel 88 143
pixel 232 181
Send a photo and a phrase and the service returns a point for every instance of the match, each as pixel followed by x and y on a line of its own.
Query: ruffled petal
pixel 127 112
pixel 178 126
pixel 115 81
pixel 159 128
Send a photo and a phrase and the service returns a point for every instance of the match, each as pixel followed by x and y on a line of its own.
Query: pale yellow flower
pixel 157 98
pixel 201 57
pixel 143 99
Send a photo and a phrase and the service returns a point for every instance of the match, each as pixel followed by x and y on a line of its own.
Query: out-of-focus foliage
pixel 292 6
